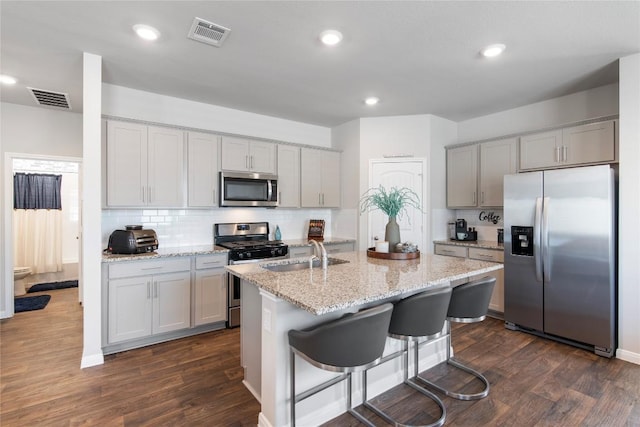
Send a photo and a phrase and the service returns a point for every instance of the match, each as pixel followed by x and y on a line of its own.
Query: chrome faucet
pixel 323 253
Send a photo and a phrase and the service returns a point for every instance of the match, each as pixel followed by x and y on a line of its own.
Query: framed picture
pixel 316 229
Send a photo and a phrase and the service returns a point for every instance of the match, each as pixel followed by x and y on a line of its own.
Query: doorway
pixel 409 173
pixel 70 223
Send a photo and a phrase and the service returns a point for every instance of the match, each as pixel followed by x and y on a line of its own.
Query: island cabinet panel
pixel 210 289
pixel 202 167
pixel 320 178
pixel 497 159
pixel 462 176
pixel 245 155
pixel 288 176
pixel 145 165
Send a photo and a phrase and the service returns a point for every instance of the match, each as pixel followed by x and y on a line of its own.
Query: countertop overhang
pixel 360 281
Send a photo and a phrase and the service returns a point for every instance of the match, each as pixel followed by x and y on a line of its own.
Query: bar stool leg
pixel 451 361
pixel 409 382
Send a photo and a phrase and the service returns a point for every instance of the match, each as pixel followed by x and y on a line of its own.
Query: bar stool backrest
pixel 470 302
pixel 354 340
pixel 420 315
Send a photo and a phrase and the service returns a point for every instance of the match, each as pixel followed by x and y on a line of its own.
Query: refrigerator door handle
pixel 546 251
pixel 537 230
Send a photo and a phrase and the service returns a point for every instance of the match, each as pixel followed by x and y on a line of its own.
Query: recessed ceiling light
pixel 8 80
pixel 146 32
pixel 372 100
pixel 493 50
pixel 331 37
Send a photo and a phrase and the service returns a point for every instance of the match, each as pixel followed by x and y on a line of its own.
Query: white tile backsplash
pixel 180 227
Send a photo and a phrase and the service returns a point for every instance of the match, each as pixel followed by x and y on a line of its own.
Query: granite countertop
pixel 326 241
pixel 361 280
pixel 162 252
pixel 484 244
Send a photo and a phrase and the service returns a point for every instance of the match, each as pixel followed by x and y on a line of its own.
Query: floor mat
pixel 31 303
pixel 53 286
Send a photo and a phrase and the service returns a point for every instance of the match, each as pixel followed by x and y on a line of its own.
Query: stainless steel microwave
pixel 247 189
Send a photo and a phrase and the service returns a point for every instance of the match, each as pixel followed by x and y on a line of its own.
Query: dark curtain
pixel 36 191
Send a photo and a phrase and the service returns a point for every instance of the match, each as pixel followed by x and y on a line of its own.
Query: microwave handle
pixel 269 190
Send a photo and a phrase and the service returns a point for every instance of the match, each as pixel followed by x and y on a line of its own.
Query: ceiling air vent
pixel 208 32
pixel 49 98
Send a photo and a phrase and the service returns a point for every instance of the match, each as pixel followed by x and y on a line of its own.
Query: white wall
pixel 29 130
pixel 443 132
pixel 346 138
pixel 135 104
pixel 629 247
pixel 389 137
pixel 38 130
pixel 598 102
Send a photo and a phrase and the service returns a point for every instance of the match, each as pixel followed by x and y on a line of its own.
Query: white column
pixel 91 210
pixel 629 211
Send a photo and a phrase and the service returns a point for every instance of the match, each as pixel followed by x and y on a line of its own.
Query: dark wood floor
pixel 197 381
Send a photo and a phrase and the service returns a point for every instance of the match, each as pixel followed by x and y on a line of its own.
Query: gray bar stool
pixel 351 343
pixel 469 304
pixel 417 317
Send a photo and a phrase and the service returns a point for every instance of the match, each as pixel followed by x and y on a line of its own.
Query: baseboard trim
pixel 92 360
pixel 628 356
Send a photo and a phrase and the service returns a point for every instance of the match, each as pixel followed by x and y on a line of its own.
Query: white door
pixel 400 173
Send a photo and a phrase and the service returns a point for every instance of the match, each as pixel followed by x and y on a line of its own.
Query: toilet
pixel 19 273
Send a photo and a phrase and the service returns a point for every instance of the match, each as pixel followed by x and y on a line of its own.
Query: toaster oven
pixel 133 241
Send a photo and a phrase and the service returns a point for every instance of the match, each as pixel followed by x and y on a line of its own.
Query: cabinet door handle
pixel 142 194
pixel 322 199
pixel 474 198
pixel 148 290
pixel 279 197
pixel 564 153
pixel 557 153
pixel 149 192
pixel 251 163
pixel 246 162
pixel 482 197
pixel 319 200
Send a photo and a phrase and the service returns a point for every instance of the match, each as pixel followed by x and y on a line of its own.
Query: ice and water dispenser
pixel 521 240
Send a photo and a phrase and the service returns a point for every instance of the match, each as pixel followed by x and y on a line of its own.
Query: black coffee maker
pixel 464 233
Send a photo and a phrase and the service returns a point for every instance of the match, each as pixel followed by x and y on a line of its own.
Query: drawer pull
pixel 151 268
pixel 212 263
pixel 447 251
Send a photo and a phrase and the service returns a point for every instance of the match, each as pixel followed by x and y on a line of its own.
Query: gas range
pixel 248 241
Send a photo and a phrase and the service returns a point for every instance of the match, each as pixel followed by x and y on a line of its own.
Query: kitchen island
pixel 275 302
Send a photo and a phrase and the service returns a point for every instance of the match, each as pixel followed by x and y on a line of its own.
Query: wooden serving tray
pixel 371 252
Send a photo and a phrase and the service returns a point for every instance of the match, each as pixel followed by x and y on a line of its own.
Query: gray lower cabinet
pixel 151 301
pixel 332 248
pixel 210 290
pixel 494 255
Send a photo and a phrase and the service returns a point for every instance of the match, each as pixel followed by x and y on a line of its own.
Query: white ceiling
pixel 418 57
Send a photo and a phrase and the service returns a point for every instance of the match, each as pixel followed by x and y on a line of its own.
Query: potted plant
pixel 394 204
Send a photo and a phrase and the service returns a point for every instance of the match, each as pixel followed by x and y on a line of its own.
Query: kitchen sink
pixel 301 265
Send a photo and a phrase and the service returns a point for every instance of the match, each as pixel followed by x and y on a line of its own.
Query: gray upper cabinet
pixel 320 178
pixel 577 145
pixel 497 159
pixel 202 167
pixel 145 165
pixel 245 155
pixel 462 176
pixel 288 176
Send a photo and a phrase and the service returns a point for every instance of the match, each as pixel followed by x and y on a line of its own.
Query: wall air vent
pixel 49 98
pixel 208 32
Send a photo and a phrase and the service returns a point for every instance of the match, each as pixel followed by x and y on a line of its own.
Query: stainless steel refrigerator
pixel 560 255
